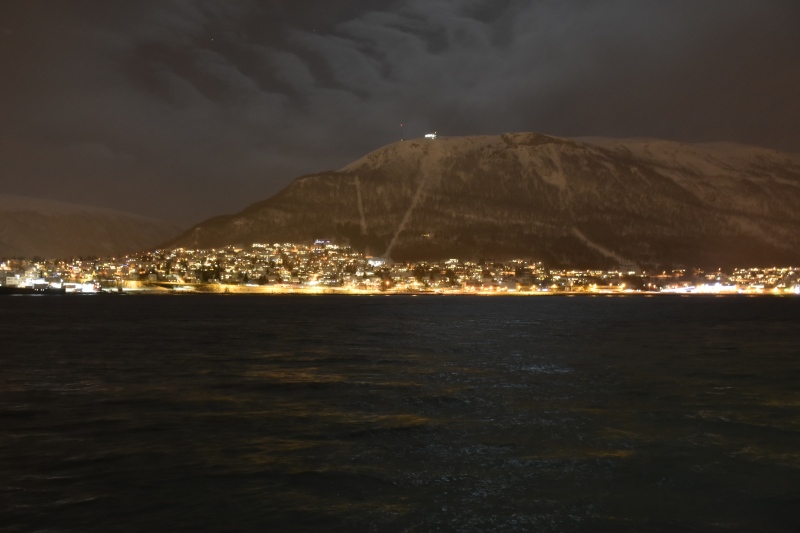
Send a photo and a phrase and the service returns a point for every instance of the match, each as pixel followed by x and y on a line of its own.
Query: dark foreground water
pixel 253 413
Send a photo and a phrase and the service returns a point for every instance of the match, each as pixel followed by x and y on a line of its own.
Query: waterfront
pixel 325 268
pixel 338 413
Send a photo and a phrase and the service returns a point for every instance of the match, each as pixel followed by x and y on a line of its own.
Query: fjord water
pixel 293 413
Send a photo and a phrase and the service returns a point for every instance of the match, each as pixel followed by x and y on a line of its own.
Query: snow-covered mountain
pixel 582 202
pixel 32 227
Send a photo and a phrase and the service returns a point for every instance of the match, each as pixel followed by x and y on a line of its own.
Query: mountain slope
pixel 32 227
pixel 582 202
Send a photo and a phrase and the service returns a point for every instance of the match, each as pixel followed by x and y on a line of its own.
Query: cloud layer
pixel 186 109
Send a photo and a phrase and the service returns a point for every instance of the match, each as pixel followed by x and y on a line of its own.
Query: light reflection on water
pixel 210 413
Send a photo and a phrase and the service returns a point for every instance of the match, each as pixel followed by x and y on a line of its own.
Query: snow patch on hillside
pixel 621 261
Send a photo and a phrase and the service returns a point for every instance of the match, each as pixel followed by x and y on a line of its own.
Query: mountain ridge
pixel 31 227
pixel 582 202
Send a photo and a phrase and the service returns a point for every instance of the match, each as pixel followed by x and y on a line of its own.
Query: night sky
pixel 183 110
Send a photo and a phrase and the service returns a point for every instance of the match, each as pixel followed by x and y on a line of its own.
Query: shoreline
pixel 213 288
pixel 157 288
pixel 267 290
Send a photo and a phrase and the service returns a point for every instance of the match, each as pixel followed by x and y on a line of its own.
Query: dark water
pixel 242 413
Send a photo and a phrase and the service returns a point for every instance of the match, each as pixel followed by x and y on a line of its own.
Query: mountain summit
pixel 572 202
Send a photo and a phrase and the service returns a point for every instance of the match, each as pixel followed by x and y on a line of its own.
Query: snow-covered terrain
pixel 586 201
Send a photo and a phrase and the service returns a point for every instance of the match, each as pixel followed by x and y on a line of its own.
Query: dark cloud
pixel 185 109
